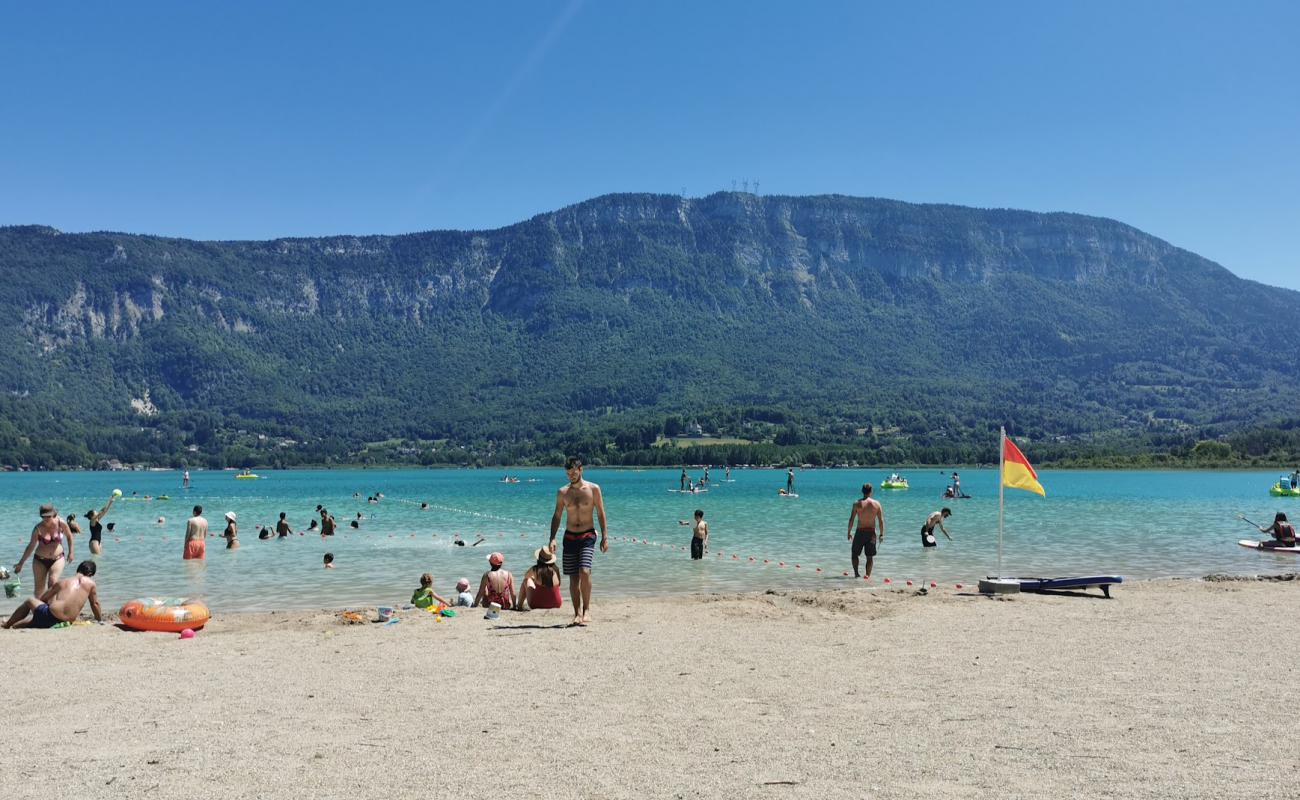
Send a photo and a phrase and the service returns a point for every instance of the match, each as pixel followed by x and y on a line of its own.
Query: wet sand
pixel 1172 688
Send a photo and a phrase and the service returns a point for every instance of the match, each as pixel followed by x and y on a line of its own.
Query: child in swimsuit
pixel 425 596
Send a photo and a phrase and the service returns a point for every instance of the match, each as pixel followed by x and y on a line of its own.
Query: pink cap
pixel 496 559
pixel 462 584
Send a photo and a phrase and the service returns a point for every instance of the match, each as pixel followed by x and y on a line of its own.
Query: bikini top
pixel 55 538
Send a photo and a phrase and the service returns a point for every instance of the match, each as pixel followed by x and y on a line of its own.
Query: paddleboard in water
pixel 1102 582
pixel 687 491
pixel 1254 545
pixel 780 493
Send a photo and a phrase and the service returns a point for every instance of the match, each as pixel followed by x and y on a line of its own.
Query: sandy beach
pixel 1171 689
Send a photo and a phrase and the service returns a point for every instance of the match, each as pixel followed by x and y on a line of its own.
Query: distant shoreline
pixel 1048 467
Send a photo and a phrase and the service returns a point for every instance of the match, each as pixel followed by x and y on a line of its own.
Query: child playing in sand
pixel 463 596
pixel 425 596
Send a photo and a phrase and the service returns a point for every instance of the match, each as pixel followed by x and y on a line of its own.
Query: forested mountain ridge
pixel 883 329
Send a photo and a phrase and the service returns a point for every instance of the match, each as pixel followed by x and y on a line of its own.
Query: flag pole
pixel 1002 465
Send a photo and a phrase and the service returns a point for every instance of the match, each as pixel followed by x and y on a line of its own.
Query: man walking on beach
pixel 870 518
pixel 576 502
pixel 196 536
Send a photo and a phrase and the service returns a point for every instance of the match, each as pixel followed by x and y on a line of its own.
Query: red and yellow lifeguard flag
pixel 1016 470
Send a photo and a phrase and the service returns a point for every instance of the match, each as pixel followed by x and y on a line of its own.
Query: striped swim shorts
pixel 579 551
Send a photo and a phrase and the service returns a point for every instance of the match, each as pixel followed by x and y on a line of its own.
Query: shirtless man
pixel 700 541
pixel 326 523
pixel 282 528
pixel 62 602
pixel 870 517
pixel 927 530
pixel 196 536
pixel 576 502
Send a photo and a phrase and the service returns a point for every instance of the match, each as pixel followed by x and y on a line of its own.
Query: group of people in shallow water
pixel 197 533
pixel 579 506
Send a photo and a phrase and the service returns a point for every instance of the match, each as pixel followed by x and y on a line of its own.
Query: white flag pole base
pixel 999 586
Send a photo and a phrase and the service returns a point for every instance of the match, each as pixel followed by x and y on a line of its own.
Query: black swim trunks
pixel 697 548
pixel 864 541
pixel 927 536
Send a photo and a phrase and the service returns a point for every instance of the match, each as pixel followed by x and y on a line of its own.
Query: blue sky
pixel 238 121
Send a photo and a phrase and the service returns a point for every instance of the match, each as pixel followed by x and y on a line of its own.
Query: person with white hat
pixel 231 533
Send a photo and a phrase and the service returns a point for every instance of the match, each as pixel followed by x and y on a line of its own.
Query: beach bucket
pixel 386 613
pixel 11 588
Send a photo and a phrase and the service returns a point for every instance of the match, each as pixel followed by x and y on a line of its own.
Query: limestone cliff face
pixel 727 252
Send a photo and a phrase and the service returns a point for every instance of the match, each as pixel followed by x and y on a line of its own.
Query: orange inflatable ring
pixel 167 615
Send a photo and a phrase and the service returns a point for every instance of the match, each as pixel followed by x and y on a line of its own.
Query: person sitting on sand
pixel 927 527
pixel 541 586
pixel 50 547
pixel 425 596
pixel 1283 533
pixel 62 602
pixel 497 585
pixel 463 597
pixel 700 541
pixel 231 533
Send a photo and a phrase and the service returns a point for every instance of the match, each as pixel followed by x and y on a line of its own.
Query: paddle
pixel 1256 526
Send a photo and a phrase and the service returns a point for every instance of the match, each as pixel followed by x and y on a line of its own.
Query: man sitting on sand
pixel 62 602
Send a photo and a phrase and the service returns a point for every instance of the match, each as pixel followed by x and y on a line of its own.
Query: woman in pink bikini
pixel 50 549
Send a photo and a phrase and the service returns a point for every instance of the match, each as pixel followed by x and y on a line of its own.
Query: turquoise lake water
pixel 1136 524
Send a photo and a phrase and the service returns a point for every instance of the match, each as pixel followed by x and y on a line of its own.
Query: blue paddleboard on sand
pixel 1102 582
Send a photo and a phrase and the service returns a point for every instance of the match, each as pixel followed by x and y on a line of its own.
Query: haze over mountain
pixel 829 323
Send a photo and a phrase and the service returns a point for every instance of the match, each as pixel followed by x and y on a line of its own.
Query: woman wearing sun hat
pixel 497 585
pixel 231 532
pixel 541 587
pixel 50 549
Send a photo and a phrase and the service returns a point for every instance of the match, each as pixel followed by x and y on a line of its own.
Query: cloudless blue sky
pixel 259 120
